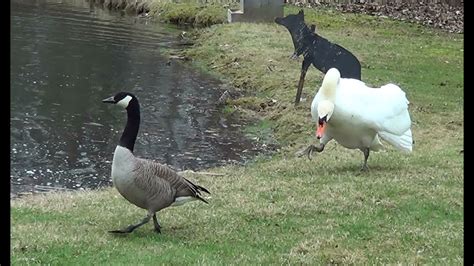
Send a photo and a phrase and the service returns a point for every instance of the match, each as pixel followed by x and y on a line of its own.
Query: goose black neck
pixel 130 132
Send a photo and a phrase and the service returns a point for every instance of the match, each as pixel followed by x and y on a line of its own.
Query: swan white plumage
pixel 356 115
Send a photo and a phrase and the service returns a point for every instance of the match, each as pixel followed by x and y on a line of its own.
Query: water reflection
pixel 66 58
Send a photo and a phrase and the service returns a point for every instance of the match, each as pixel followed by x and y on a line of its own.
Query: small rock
pixel 223 98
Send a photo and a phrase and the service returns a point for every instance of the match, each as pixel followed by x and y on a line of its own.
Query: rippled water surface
pixel 67 57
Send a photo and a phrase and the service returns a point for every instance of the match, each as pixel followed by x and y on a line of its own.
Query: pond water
pixel 66 57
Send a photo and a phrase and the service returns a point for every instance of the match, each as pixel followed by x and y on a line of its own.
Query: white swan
pixel 356 115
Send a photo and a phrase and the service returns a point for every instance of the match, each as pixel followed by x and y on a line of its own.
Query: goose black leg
pixel 157 225
pixel 366 152
pixel 132 227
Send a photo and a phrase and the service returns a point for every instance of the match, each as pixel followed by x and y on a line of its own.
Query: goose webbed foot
pixel 157 225
pixel 132 227
pixel 125 230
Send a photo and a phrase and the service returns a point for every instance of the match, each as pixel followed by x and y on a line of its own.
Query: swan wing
pixel 383 109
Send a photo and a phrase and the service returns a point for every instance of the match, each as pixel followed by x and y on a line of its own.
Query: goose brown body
pixel 146 183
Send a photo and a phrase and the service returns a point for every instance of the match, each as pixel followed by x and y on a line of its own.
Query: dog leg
pixel 294 56
pixel 304 67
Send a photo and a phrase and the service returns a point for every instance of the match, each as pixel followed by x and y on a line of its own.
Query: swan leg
pixel 318 148
pixel 157 225
pixel 309 150
pixel 366 152
pixel 132 227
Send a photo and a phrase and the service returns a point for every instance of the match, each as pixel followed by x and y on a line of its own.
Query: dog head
pixel 291 21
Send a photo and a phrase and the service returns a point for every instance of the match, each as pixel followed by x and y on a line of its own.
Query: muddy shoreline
pixel 197 135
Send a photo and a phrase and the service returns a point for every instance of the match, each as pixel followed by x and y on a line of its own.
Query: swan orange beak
pixel 320 130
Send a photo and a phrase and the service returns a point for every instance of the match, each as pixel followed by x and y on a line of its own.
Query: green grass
pixel 281 209
pixel 189 12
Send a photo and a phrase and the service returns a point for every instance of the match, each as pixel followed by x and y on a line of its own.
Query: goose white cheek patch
pixel 124 102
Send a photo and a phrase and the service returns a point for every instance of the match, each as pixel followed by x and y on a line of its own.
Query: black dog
pixel 318 51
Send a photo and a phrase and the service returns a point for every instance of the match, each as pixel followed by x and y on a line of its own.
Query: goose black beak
pixel 109 100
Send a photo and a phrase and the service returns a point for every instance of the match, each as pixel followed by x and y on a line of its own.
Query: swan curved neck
pixel 330 83
pixel 130 132
pixel 329 93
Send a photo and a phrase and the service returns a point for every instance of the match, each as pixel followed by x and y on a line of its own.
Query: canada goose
pixel 356 115
pixel 147 184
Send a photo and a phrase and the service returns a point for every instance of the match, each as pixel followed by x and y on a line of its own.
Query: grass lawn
pixel 281 209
